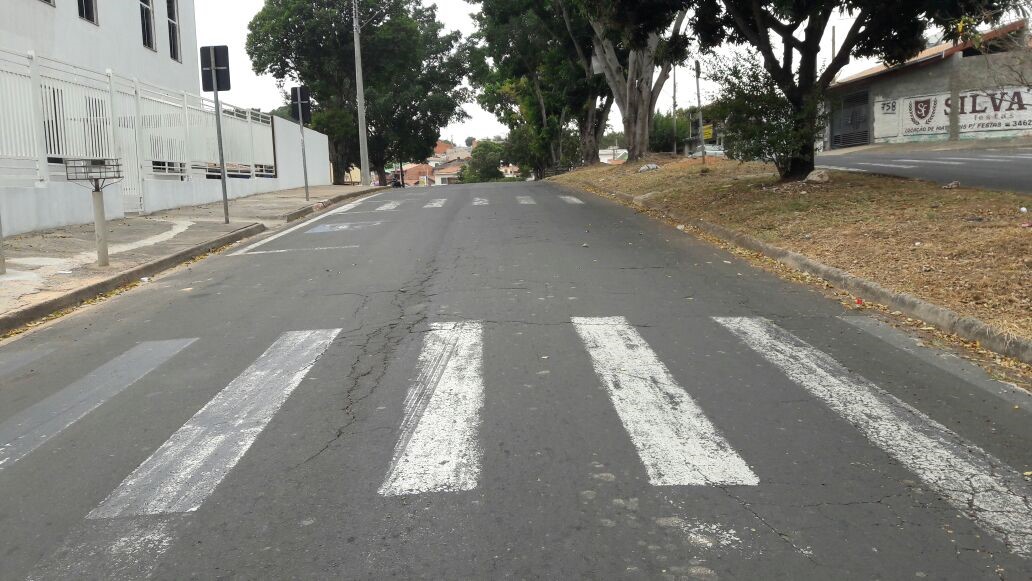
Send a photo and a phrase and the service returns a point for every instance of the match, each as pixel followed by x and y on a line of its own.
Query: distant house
pixel 417 174
pixel 442 147
pixel 510 171
pixel 612 156
pixel 448 172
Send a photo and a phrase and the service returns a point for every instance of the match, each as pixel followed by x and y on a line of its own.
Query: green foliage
pixel 483 166
pixel 759 123
pixel 413 72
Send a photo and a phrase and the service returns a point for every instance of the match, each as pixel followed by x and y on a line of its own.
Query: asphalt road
pixel 512 380
pixel 1007 169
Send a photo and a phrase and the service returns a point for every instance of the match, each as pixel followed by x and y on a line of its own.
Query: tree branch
pixel 842 57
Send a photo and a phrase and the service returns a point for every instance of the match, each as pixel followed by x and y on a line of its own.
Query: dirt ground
pixel 964 248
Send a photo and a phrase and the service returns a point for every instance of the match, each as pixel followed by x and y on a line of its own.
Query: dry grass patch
pixel 964 249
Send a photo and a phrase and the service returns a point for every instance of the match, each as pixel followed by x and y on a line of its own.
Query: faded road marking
pixel 571 200
pixel 391 205
pixel 969 478
pixel 36 425
pixel 526 200
pixel 675 440
pixel 190 464
pixel 323 228
pixel 438 449
pixel 436 203
pixel 480 201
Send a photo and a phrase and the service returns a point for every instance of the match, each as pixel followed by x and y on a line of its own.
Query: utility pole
pixel 674 116
pixel 698 96
pixel 363 147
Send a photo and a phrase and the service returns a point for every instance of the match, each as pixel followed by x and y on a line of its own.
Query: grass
pixel 963 248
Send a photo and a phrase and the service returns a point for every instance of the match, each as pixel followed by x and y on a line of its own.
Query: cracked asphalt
pixel 562 492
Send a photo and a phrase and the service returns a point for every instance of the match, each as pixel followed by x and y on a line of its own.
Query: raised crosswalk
pixel 438 448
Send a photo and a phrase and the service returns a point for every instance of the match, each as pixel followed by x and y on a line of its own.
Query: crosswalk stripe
pixel 675 440
pixel 436 203
pixel 37 424
pixel 526 200
pixel 14 360
pixel 438 448
pixel 989 159
pixel 932 161
pixel 391 205
pixel 571 200
pixel 480 201
pixel 969 478
pixel 892 165
pixel 189 465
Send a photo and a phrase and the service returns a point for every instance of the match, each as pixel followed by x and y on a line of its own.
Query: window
pixel 87 10
pixel 173 30
pixel 147 22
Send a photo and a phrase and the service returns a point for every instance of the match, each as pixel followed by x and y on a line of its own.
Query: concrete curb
pixel 21 317
pixel 312 208
pixel 942 318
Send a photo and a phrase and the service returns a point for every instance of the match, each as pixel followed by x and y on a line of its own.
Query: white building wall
pixel 115 42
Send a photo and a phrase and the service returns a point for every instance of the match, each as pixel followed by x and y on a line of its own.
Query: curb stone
pixel 944 319
pixel 324 204
pixel 24 316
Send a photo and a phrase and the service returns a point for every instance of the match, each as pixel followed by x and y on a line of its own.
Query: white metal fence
pixel 50 110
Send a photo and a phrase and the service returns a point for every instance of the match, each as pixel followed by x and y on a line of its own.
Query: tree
pixel 413 73
pixel 630 44
pixel 469 141
pixel 759 122
pixel 540 73
pixel 485 163
pixel 788 34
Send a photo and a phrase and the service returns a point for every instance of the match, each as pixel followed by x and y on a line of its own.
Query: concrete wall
pixel 115 42
pixel 973 97
pixel 27 207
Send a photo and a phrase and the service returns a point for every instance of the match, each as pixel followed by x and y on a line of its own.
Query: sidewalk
pixel 920 146
pixel 54 269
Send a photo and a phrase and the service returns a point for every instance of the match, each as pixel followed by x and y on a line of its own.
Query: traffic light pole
pixel 363 147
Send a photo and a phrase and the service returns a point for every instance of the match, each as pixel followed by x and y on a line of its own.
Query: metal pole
pixel 218 131
pixel 698 96
pixel 100 225
pixel 304 154
pixel 363 147
pixel 3 261
pixel 675 110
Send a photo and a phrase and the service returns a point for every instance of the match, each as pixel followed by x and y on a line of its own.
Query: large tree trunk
pixel 633 87
pixel 339 157
pixel 381 175
pixel 801 162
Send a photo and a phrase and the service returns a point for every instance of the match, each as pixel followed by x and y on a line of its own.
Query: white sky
pixel 222 22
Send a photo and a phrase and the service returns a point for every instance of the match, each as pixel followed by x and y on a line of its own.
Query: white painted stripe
pixel 892 165
pixel 1010 157
pixel 189 465
pixel 437 450
pixel 391 205
pixel 322 228
pixel 527 200
pixel 36 425
pixel 480 201
pixel 436 203
pixel 989 159
pixel 675 440
pixel 346 247
pixel 933 161
pixel 969 478
pixel 571 200
pixel 309 222
pixel 841 168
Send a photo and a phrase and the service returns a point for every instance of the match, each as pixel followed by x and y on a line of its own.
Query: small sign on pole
pixel 98 173
pixel 215 78
pixel 301 109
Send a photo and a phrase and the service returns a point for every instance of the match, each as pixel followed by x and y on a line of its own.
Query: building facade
pixel 947 92
pixel 84 79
